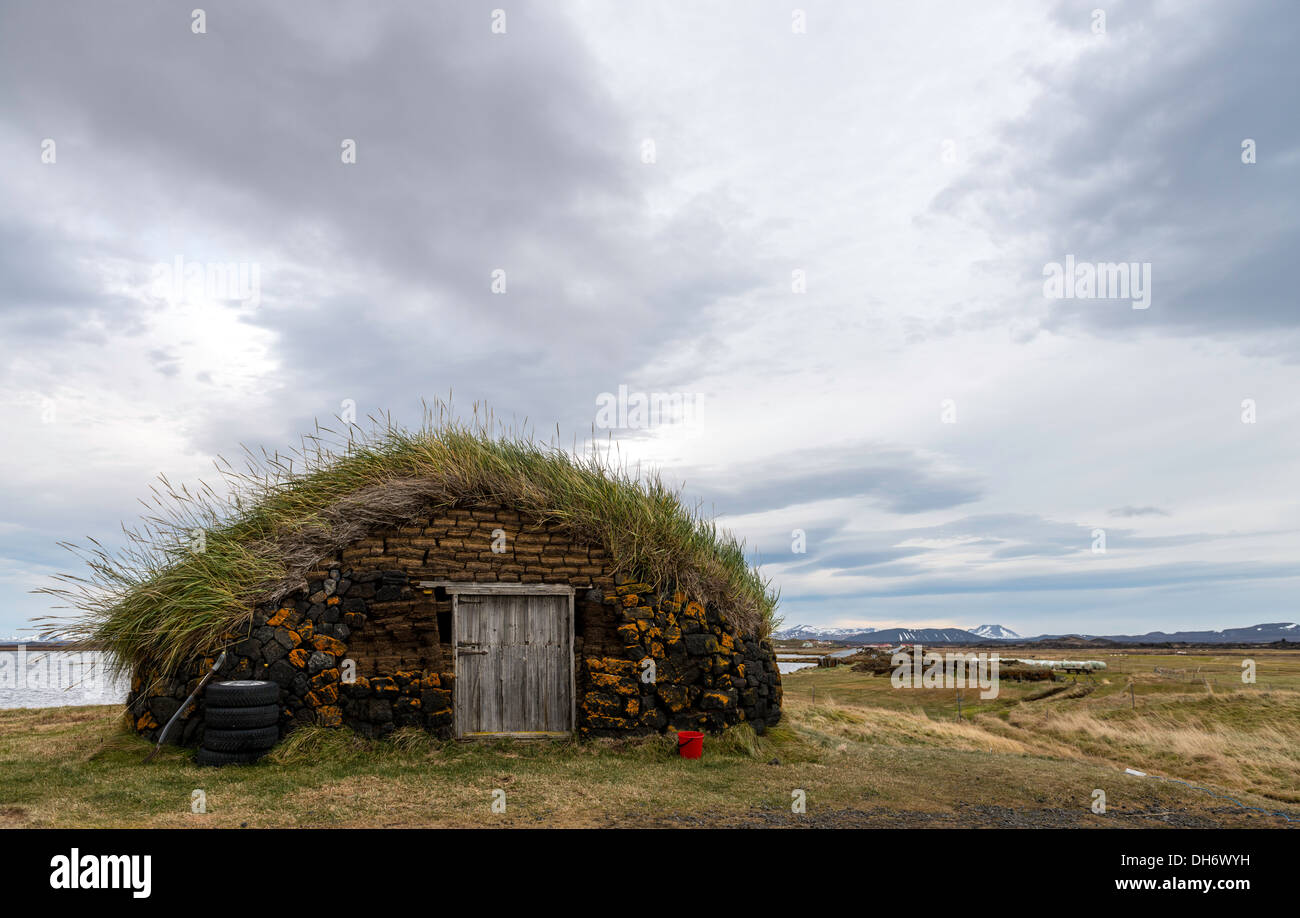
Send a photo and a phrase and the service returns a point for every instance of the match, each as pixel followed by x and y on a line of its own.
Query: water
pixel 34 678
pixel 789 667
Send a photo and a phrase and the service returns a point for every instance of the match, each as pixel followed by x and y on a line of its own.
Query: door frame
pixel 457 588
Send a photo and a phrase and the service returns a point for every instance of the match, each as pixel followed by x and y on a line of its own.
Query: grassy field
pixel 862 753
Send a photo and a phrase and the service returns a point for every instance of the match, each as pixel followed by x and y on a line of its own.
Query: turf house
pixel 465 583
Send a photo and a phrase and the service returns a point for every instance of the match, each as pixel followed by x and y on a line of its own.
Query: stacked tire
pixel 241 722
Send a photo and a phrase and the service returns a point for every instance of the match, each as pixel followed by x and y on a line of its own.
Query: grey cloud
pixel 856 560
pixel 875 553
pixel 1133 154
pixel 768 546
pixel 1028 535
pixel 1036 550
pixel 47 292
pixel 1157 575
pixel 475 152
pixel 885 571
pixel 1097 609
pixel 1129 510
pixel 882 557
pixel 896 479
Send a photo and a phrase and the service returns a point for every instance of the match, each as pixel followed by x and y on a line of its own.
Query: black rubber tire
pixel 240 740
pixel 264 715
pixel 208 757
pixel 243 693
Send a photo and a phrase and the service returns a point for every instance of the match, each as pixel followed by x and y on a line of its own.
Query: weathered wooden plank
pixel 494 713
pixel 533 687
pixel 547 614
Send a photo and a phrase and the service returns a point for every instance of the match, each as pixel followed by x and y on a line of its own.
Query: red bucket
pixel 690 744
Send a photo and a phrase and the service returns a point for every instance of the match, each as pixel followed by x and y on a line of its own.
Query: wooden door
pixel 514 664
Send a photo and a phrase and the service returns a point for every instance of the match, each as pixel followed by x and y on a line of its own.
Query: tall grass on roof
pixel 200 560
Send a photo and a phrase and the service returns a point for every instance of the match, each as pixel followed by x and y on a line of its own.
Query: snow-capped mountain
pixel 994 632
pixel 877 635
pixel 923 636
pixel 818 633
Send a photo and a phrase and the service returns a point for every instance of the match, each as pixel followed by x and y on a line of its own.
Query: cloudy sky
pixel 827 231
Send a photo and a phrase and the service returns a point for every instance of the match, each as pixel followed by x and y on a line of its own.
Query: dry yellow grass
pixel 1237 744
pixel 1235 740
pixel 902 728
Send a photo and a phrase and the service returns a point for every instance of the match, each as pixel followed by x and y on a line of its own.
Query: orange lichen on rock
pixel 718 699
pixel 325 695
pixel 603 722
pixel 279 617
pixel 674 697
pixel 325 677
pixel 603 705
pixel 606 680
pixel 623 684
pixel 327 644
pixel 610 665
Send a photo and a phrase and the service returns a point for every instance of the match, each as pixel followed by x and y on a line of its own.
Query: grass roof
pixel 199 561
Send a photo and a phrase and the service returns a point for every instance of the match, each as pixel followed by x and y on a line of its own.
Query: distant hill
pixel 1254 634
pixel 1068 642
